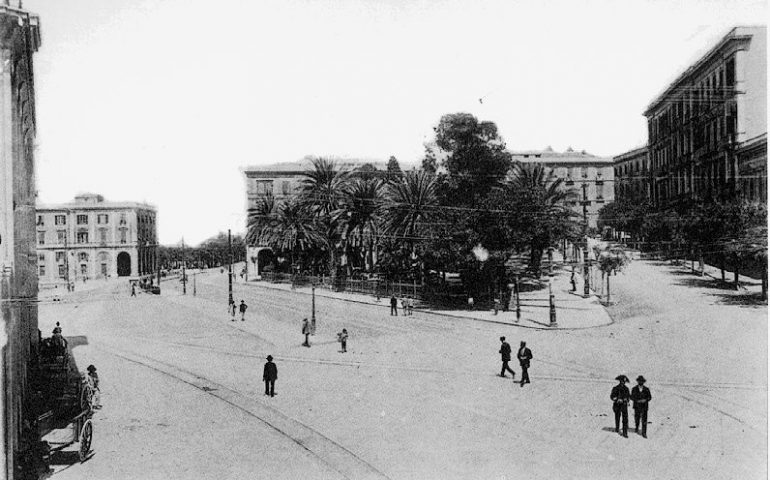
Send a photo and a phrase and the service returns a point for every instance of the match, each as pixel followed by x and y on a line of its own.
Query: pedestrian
pixel 572 281
pixel 410 305
pixel 57 328
pixel 641 397
pixel 93 381
pixel 403 306
pixel 524 356
pixel 393 305
pixel 269 376
pixel 306 332
pixel 505 355
pixel 232 307
pixel 619 397
pixel 133 289
pixel 497 305
pixel 343 339
pixel 243 308
pixel 470 303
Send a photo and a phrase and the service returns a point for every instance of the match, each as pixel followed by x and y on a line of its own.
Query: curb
pixel 451 315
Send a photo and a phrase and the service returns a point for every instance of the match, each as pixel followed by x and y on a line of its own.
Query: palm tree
pixel 322 185
pixel 539 200
pixel 359 217
pixel 409 203
pixel 259 217
pixel 292 228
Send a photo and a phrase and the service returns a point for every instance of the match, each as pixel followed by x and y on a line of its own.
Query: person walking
pixel 269 376
pixel 93 382
pixel 393 305
pixel 497 305
pixel 343 339
pixel 306 332
pixel 505 355
pixel 232 309
pixel 410 305
pixel 619 397
pixel 133 289
pixel 524 356
pixel 243 308
pixel 403 306
pixel 572 282
pixel 641 397
pixel 470 303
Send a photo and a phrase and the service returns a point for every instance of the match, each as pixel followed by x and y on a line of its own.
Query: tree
pixel 612 260
pixel 394 170
pixel 359 217
pixel 259 217
pixel 321 186
pixel 293 229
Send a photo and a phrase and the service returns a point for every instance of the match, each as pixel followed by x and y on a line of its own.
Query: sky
pixel 165 101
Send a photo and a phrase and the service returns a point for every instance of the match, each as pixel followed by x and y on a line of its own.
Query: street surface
pixel 416 397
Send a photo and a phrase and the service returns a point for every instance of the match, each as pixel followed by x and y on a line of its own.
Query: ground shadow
pixel 749 300
pixel 64 457
pixel 705 282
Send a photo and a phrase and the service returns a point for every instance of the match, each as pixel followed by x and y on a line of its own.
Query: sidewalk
pixel 572 311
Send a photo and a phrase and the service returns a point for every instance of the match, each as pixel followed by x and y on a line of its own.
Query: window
pixel 61 237
pixel 102 219
pixel 730 73
pixel 122 218
pixel 264 187
pixel 83 256
pixel 84 269
pixel 41 257
pixel 41 238
pixel 285 187
pixel 62 271
pixel 584 172
pixel 82 219
pixel 59 257
pixel 40 222
pixel 104 269
pixel 41 270
pixel 123 235
pixel 82 237
pixel 60 220
pixel 103 235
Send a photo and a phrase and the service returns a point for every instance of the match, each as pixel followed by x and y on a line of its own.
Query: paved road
pixel 415 397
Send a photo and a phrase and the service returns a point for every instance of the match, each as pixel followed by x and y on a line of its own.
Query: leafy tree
pixel 359 218
pixel 610 261
pixel 394 170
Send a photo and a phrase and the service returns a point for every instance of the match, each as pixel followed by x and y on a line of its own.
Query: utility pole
pixel 312 313
pixel 230 269
pixel 184 273
pixel 585 236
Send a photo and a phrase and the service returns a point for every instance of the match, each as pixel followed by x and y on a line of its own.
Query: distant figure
pixel 242 309
pixel 59 343
pixel 232 308
pixel 403 306
pixel 572 281
pixel 524 356
pixel 306 332
pixel 57 328
pixel 410 305
pixel 470 303
pixel 393 306
pixel 93 381
pixel 505 356
pixel 269 376
pixel 497 305
pixel 619 397
pixel 133 289
pixel 343 339
pixel 641 397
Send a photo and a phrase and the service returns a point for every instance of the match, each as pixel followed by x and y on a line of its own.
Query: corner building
pixel 92 238
pixel 708 129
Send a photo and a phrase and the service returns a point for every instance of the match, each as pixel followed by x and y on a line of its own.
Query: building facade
pixel 708 129
pixel 590 176
pixel 91 238
pixel 632 175
pixel 19 40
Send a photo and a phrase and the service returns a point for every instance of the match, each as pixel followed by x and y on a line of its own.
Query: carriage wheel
pixel 86 434
pixel 87 398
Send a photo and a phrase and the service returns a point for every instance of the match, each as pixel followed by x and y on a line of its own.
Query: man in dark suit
pixel 641 397
pixel 524 355
pixel 619 397
pixel 505 354
pixel 269 376
pixel 393 306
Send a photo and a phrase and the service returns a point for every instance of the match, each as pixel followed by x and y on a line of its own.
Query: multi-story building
pixel 92 238
pixel 632 175
pixel 592 177
pixel 708 129
pixel 19 40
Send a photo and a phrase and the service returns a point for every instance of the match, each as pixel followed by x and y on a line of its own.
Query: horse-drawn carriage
pixel 63 399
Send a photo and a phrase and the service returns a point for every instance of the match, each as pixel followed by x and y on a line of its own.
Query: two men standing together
pixel 524 355
pixel 640 395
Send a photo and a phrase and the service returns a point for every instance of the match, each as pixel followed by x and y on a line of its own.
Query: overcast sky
pixel 165 100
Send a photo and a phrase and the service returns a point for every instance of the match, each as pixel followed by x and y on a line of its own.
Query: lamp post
pixel 516 291
pixel 551 305
pixel 230 269
pixel 312 313
pixel 184 272
pixel 586 270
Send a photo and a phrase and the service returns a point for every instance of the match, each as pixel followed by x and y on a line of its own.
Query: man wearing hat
pixel 619 397
pixel 641 397
pixel 505 356
pixel 269 376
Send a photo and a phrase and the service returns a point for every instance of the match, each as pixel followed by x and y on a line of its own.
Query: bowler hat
pixel 622 378
pixel 91 368
pixel 269 357
pixel 640 379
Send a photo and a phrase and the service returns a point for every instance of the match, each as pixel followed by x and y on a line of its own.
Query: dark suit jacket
pixel 620 395
pixel 505 351
pixel 271 372
pixel 640 394
pixel 525 355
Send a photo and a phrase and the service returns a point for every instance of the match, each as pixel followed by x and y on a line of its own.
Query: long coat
pixel 505 352
pixel 620 395
pixel 271 372
pixel 305 328
pixel 525 355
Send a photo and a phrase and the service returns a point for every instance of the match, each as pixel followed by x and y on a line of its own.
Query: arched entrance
pixel 124 264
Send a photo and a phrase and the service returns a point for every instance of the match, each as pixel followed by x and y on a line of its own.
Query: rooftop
pixel 306 163
pixel 93 201
pixel 548 155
